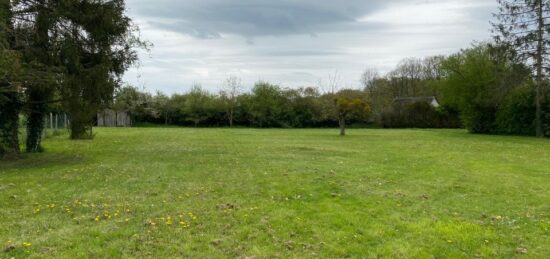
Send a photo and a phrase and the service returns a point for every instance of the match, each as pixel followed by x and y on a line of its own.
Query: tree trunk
pixel 539 57
pixel 11 107
pixel 40 92
pixel 342 122
pixel 35 128
pixel 9 127
pixel 231 119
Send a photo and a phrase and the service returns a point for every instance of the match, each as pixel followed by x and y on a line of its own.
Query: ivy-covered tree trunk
pixel 36 113
pixel 9 123
pixel 39 91
pixel 10 104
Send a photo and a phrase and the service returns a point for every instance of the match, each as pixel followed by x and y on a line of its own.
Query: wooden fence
pixel 111 118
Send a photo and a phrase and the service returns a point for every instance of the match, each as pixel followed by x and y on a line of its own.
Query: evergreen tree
pixel 97 50
pixel 75 49
pixel 525 26
pixel 35 36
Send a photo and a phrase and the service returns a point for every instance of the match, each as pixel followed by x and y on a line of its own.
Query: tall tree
pixel 525 26
pixel 77 50
pixel 34 32
pixel 477 81
pixel 97 49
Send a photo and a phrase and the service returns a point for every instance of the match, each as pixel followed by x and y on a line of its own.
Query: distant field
pixel 278 193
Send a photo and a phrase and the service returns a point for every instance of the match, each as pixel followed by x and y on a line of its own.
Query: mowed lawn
pixel 253 193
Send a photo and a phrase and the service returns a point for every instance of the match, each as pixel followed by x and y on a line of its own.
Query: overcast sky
pixel 294 42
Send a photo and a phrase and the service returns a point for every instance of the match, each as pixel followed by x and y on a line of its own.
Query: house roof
pixel 432 100
pixel 417 98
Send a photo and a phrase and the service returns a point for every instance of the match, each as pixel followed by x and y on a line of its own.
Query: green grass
pixel 177 192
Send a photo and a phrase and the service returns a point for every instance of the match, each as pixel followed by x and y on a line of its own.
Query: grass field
pixel 278 193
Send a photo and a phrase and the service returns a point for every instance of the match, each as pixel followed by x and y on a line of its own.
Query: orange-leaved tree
pixel 350 104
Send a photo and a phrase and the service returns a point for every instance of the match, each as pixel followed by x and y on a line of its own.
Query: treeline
pixel 266 106
pixel 486 88
pixel 483 88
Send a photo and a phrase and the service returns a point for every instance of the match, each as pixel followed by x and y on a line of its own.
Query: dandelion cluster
pixel 80 210
pixel 183 220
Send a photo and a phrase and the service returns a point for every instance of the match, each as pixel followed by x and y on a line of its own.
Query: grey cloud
pixel 300 53
pixel 295 42
pixel 208 19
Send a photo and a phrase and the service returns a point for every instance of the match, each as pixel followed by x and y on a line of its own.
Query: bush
pixel 420 115
pixel 479 119
pixel 517 114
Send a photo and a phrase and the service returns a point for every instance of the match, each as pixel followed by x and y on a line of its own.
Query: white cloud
pixel 303 50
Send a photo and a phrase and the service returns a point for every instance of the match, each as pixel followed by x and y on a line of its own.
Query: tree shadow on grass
pixel 41 160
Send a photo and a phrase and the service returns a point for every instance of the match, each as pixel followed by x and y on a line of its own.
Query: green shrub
pixel 517 114
pixel 420 115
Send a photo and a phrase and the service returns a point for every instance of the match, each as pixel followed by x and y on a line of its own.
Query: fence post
pixel 56 121
pixel 65 124
pixel 51 120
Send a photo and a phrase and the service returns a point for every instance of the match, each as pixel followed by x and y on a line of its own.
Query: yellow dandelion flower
pixel 27 244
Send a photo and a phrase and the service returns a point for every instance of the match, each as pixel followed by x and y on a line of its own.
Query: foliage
pixel 73 52
pixel 266 106
pixel 200 106
pixel 420 115
pixel 411 78
pixel 96 52
pixel 350 104
pixel 229 97
pixel 517 114
pixel 10 97
pixel 130 99
pixel 477 81
pixel 523 27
